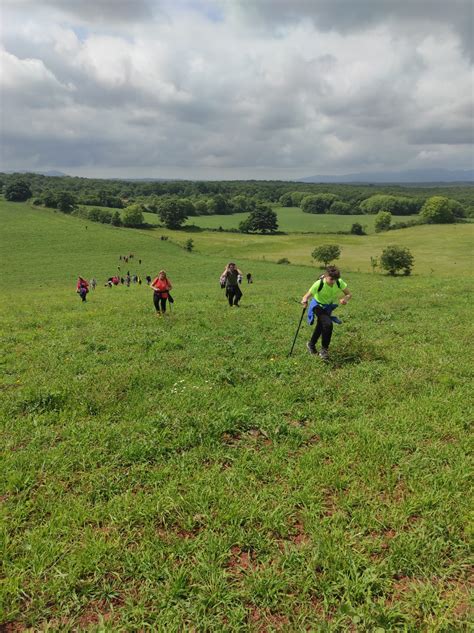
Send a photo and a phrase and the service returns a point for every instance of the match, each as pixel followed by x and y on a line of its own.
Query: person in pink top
pixel 82 288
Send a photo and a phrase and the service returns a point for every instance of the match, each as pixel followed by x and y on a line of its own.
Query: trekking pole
pixel 299 325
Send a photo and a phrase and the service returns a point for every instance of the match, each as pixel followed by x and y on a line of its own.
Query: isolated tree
pixel 326 254
pixel 65 202
pixel 189 245
pixel 172 213
pixel 437 210
pixel 133 216
pixel 319 203
pixel 395 258
pixel 261 219
pixel 382 221
pixel 17 191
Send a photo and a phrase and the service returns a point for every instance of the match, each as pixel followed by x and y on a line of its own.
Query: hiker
pixel 93 283
pixel 127 280
pixel 232 291
pixel 249 278
pixel 82 288
pixel 139 261
pixel 161 286
pixel 325 292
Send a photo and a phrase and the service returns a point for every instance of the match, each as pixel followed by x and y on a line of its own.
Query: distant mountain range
pixel 408 176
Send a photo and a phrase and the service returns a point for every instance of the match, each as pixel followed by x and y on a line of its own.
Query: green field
pixel 184 474
pixel 293 220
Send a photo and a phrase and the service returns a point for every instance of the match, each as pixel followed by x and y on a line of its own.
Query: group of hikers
pixel 321 300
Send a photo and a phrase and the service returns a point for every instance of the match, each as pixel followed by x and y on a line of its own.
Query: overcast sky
pixel 236 88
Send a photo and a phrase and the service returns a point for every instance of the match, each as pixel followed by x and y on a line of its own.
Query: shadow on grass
pixel 354 351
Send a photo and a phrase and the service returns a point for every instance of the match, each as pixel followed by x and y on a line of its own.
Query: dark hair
pixel 333 272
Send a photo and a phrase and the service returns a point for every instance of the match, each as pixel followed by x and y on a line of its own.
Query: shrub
pixel 326 254
pixel 17 191
pixel 133 216
pixel 382 221
pixel 395 258
pixel 357 229
pixel 283 260
pixel 437 210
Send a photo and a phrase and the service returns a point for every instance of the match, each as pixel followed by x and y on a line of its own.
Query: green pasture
pixel 293 220
pixel 183 474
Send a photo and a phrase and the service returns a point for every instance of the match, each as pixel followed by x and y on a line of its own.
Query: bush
pixel 17 191
pixel 395 258
pixel 133 216
pixel 357 229
pixel 189 245
pixel 382 221
pixel 437 210
pixel 326 254
pixel 283 260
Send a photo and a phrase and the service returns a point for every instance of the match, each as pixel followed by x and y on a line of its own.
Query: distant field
pixel 293 220
pixel 182 473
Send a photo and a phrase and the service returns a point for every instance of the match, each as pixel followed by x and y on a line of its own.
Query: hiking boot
pixel 311 349
pixel 324 354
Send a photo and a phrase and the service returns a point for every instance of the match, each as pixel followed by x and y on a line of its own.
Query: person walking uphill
pixel 325 291
pixel 161 286
pixel 231 276
pixel 82 288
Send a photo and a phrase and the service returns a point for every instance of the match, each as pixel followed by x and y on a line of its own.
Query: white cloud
pixel 196 89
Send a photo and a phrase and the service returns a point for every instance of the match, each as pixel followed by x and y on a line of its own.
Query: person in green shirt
pixel 326 291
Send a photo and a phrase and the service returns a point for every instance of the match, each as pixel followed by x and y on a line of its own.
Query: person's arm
pixel 346 298
pixel 305 299
pixel 170 286
pixel 239 272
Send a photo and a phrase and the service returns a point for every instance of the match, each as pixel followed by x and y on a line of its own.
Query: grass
pixel 183 473
pixel 293 220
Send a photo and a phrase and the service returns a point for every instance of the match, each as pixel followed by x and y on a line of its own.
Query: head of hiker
pixel 332 275
pixel 162 274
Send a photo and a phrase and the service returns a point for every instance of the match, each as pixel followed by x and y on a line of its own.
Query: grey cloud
pixel 346 16
pixel 93 11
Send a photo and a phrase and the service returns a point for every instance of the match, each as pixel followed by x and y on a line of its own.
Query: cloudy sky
pixel 235 88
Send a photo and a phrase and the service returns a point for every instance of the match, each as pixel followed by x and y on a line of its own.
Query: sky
pixel 235 89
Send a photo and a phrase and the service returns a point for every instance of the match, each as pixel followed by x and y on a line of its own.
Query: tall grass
pixel 183 473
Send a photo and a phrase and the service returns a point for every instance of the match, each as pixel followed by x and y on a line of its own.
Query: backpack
pixel 321 283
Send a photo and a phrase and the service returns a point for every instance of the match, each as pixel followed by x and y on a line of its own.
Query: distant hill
pixel 52 172
pixel 407 176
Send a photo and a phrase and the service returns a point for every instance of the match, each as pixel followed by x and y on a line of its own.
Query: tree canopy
pixel 261 219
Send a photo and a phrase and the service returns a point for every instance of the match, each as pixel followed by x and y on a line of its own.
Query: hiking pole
pixel 299 325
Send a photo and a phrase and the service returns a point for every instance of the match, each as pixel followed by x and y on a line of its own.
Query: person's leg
pixel 163 305
pixel 230 295
pixel 316 334
pixel 238 296
pixel 326 333
pixel 156 302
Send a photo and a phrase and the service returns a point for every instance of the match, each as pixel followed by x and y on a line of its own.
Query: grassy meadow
pixel 293 220
pixel 183 474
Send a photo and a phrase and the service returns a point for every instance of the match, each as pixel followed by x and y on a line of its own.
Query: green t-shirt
pixel 328 294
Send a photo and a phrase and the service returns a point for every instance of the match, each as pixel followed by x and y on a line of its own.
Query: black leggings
pixel 323 327
pixel 233 294
pixel 159 301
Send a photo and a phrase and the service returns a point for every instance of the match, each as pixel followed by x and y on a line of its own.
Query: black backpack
pixel 321 283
